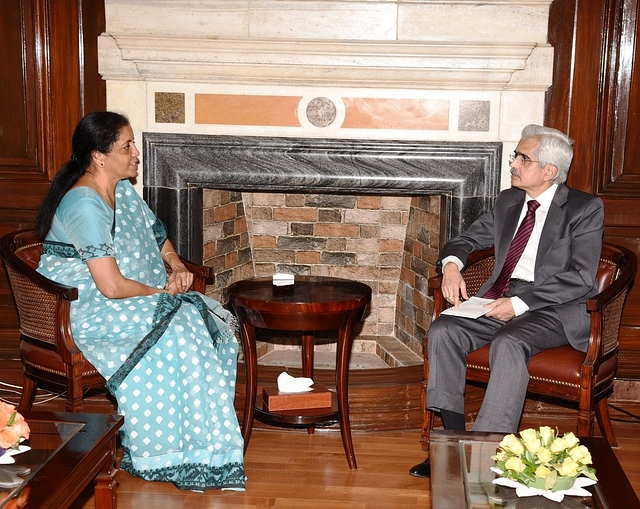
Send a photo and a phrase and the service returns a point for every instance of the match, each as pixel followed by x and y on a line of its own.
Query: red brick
pixel 308 257
pixel 224 212
pixel 337 230
pixel 368 202
pixel 295 214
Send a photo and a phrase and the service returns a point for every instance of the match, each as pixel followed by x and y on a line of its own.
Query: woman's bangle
pixel 170 252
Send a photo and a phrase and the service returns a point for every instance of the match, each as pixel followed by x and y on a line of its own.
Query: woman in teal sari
pixel 169 355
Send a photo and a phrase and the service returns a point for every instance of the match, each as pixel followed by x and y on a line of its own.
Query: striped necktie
pixel 516 248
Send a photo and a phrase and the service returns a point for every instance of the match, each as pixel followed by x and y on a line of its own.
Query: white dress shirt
pixel 524 269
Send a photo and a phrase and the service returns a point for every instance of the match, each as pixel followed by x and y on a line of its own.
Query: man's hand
pixel 501 308
pixel 453 285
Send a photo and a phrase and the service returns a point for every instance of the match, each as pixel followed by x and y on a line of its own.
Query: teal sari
pixel 170 362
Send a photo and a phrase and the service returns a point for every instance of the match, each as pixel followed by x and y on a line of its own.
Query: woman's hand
pixel 180 280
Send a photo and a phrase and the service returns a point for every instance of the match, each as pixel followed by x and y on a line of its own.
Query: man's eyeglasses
pixel 523 158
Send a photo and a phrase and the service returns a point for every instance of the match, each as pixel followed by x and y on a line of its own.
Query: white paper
pixel 281 279
pixel 288 383
pixel 472 308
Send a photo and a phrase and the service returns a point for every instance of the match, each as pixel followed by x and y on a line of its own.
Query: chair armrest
pixel 439 302
pixel 43 306
pixel 606 310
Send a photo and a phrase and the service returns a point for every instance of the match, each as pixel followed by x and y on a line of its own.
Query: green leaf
pixel 550 480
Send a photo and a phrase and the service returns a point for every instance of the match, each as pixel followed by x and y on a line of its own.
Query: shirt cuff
pixel 519 307
pixel 453 259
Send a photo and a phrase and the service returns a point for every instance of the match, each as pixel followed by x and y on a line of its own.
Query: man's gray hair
pixel 555 148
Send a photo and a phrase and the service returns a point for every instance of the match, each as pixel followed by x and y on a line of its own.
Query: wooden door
pixel 49 80
pixel 595 98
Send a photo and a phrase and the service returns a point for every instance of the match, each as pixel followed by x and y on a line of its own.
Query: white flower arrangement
pixel 542 459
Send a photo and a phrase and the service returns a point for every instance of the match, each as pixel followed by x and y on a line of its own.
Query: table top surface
pixel 62 449
pixel 453 486
pixel 316 290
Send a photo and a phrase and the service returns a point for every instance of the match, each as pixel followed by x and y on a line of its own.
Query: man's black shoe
pixel 421 469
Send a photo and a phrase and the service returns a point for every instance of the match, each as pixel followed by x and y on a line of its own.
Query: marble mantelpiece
pixel 179 166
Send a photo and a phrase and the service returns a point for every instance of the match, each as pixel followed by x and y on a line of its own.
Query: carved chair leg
pixel 604 421
pixel 75 392
pixel 585 422
pixel 29 389
pixel 427 420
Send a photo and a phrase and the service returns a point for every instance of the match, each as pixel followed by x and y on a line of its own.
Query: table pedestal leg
pixel 307 364
pixel 248 333
pixel 342 385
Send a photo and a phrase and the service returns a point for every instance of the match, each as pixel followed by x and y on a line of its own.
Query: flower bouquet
pixel 540 462
pixel 13 430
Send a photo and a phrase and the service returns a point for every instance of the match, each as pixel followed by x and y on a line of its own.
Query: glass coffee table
pixel 461 476
pixel 67 452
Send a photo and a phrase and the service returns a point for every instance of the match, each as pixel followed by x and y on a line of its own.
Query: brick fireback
pixel 388 242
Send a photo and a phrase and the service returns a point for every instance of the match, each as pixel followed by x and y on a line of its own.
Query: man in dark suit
pixel 547 254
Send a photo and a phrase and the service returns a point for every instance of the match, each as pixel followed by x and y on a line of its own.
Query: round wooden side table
pixel 312 303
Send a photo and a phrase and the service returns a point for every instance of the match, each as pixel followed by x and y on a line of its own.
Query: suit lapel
pixel 512 216
pixel 555 218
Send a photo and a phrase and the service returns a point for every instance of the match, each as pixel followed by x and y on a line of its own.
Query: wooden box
pixel 274 400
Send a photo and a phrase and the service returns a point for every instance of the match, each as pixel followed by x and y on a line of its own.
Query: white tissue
pixel 288 383
pixel 281 279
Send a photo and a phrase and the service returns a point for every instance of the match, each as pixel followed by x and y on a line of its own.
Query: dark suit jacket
pixel 567 258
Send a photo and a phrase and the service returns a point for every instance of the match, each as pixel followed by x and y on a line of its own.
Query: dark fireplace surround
pixel 177 167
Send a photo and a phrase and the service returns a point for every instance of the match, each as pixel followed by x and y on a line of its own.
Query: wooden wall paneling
pixel 20 102
pixel 49 64
pixel 575 31
pixel 561 36
pixel 617 173
pixel 595 75
pixel 94 90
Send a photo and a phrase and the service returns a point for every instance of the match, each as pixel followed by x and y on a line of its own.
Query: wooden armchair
pixel 49 353
pixel 561 372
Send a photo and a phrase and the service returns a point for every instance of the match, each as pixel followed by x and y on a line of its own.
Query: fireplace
pixel 295 104
pixel 177 167
pixel 462 177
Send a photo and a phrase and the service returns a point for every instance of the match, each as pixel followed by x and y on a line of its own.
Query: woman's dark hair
pixel 96 132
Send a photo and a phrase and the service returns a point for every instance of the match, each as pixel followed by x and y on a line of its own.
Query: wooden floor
pixel 289 469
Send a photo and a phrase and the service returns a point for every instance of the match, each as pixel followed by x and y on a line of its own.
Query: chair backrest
pixel 36 308
pixel 480 266
pixel 616 274
pixel 610 266
pixel 30 254
pixel 26 245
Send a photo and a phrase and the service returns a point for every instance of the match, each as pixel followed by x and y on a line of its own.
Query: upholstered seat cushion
pixel 561 365
pixel 49 360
